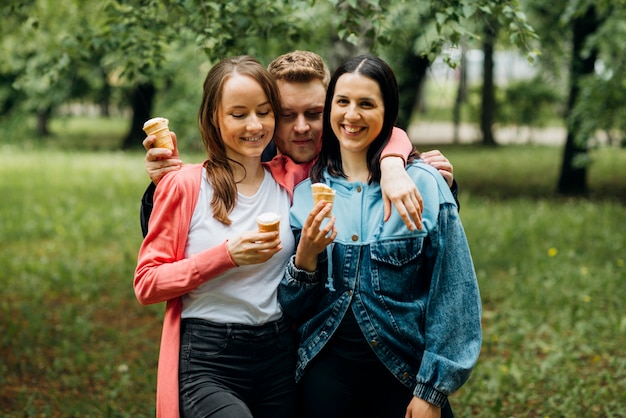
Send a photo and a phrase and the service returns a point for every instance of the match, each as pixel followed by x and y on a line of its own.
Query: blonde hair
pixel 300 66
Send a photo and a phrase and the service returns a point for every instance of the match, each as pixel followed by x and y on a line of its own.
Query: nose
pixel 301 125
pixel 352 113
pixel 254 124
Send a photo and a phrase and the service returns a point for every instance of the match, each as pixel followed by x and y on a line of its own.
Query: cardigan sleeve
pixel 162 271
pixel 399 145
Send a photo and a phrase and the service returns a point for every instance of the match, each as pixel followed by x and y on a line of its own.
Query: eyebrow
pixel 240 106
pixel 358 98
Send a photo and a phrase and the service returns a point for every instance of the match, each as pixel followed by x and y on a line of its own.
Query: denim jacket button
pixel 405 376
pixel 355 237
pixel 374 343
pixel 358 189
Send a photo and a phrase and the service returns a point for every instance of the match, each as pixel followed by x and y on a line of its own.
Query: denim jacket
pixel 414 293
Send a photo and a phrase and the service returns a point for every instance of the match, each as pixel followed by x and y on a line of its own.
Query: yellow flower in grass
pixel 620 262
pixel 552 252
pixel 586 298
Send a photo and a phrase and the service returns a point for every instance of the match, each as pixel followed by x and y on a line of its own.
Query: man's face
pixel 299 132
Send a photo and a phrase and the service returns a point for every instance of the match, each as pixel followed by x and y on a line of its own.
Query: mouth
pixel 253 139
pixel 302 141
pixel 352 130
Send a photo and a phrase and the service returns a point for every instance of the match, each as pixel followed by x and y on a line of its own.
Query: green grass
pixel 74 341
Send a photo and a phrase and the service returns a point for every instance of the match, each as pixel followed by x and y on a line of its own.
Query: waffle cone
pixel 160 129
pixel 268 222
pixel 322 192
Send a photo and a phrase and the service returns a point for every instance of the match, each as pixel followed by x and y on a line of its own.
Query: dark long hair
pixel 217 164
pixel 330 155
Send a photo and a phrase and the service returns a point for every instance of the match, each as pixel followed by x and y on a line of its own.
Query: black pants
pixel 336 387
pixel 237 371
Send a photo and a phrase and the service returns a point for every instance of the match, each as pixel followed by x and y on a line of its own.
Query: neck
pixel 355 166
pixel 248 176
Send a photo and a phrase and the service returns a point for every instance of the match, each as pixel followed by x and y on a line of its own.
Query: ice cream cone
pixel 268 222
pixel 322 192
pixel 159 128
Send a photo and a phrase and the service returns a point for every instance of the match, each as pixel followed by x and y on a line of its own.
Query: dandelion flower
pixel 552 252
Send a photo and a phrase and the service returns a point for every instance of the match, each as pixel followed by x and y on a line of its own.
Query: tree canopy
pixel 58 51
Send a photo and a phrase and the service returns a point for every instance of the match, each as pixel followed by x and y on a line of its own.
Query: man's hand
pixel 419 408
pixel 436 159
pixel 160 161
pixel 398 188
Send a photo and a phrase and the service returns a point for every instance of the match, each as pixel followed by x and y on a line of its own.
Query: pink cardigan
pixel 164 275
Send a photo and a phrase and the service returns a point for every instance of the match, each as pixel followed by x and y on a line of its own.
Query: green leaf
pixel 469 10
pixel 441 18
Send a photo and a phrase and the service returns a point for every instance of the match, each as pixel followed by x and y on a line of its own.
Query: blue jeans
pixel 237 371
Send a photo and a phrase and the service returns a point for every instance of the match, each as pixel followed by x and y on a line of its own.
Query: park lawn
pixel 75 342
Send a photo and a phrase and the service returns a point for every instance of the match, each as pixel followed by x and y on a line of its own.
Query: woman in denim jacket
pixel 389 318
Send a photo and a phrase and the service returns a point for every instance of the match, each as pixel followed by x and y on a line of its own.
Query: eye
pixel 237 115
pixel 314 115
pixel 288 115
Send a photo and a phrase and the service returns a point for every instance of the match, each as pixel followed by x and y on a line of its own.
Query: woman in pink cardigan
pixel 226 350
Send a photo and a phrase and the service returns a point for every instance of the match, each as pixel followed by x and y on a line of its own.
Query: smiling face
pixel 245 118
pixel 299 131
pixel 357 113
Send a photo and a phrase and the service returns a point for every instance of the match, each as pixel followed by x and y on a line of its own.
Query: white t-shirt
pixel 245 294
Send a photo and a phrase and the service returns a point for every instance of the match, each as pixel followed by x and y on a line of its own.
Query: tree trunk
pixel 411 86
pixel 104 96
pixel 141 100
pixel 488 93
pixel 461 95
pixel 43 117
pixel 573 177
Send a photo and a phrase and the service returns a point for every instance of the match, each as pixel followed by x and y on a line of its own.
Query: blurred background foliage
pixel 138 58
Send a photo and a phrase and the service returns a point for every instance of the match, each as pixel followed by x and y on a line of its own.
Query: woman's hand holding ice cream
pixel 315 238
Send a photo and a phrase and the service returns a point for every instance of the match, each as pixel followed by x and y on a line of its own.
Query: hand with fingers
pixel 315 237
pixel 436 159
pixel 160 161
pixel 419 408
pixel 254 247
pixel 398 188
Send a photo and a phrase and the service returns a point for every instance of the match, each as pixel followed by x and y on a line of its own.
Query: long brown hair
pixel 217 165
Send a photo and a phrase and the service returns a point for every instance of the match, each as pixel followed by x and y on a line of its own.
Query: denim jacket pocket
pixel 395 267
